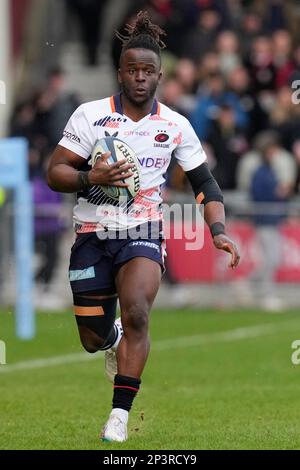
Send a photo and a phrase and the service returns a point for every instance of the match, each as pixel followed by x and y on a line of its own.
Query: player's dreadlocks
pixel 143 34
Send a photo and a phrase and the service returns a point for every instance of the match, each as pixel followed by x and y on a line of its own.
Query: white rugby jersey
pixel 155 139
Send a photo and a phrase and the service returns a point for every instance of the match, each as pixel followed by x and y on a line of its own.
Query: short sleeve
pixel 78 136
pixel 189 152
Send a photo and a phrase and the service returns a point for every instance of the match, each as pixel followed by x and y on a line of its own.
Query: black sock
pixel 125 390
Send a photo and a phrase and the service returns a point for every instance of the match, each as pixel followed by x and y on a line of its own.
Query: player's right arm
pixel 73 151
pixel 64 176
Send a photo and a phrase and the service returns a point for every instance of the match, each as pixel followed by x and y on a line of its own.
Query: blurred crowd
pixel 232 67
pixel 41 118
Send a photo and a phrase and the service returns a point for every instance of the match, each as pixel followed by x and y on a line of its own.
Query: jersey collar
pixel 116 105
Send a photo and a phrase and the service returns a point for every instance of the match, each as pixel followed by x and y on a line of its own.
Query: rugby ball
pixel 119 150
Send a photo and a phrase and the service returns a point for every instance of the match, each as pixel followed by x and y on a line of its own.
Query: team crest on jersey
pixel 160 140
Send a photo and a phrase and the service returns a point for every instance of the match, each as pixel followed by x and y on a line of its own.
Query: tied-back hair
pixel 143 34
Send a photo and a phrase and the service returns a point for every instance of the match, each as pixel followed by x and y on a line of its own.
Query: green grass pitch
pixel 213 381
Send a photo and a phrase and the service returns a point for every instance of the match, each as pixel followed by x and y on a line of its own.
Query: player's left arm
pixel 208 192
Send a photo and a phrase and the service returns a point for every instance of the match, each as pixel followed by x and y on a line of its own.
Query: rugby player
pixel 104 269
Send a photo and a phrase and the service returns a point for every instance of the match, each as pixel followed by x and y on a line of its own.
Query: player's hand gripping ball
pixel 119 151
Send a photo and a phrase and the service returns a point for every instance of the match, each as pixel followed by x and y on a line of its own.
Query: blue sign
pixel 14 175
pixel 13 162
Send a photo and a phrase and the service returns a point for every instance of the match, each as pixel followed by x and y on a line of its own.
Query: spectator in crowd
pixel 249 28
pixel 286 118
pixel 260 64
pixel 209 65
pixel 275 14
pixel 185 74
pixel 207 106
pixel 283 60
pixel 25 123
pixel 23 120
pixel 296 58
pixel 178 90
pixel 41 118
pixel 54 106
pixel 227 47
pixel 202 38
pixel 282 111
pixel 90 14
pixel 48 228
pixel 282 162
pixel 271 194
pixel 228 143
pixel 239 83
pixel 171 93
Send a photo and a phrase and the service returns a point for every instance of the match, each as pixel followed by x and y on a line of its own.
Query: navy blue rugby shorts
pixel 95 262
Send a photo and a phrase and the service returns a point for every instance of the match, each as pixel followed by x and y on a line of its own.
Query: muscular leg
pixel 137 284
pixel 95 322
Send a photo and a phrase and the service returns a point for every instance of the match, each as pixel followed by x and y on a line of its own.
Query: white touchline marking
pixel 221 336
pixel 183 342
pixel 49 362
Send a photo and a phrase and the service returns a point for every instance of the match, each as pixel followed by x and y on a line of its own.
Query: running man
pixel 102 270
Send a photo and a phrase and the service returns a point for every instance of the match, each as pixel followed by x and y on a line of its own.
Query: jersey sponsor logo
pixel 149 162
pixel 109 121
pixel 137 133
pixel 151 245
pixel 68 135
pixel 81 274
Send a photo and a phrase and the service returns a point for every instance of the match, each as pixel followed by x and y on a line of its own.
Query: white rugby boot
pixel 111 367
pixel 115 430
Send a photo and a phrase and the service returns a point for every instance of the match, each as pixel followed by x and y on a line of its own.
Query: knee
pixel 89 346
pixel 95 330
pixel 90 341
pixel 136 318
